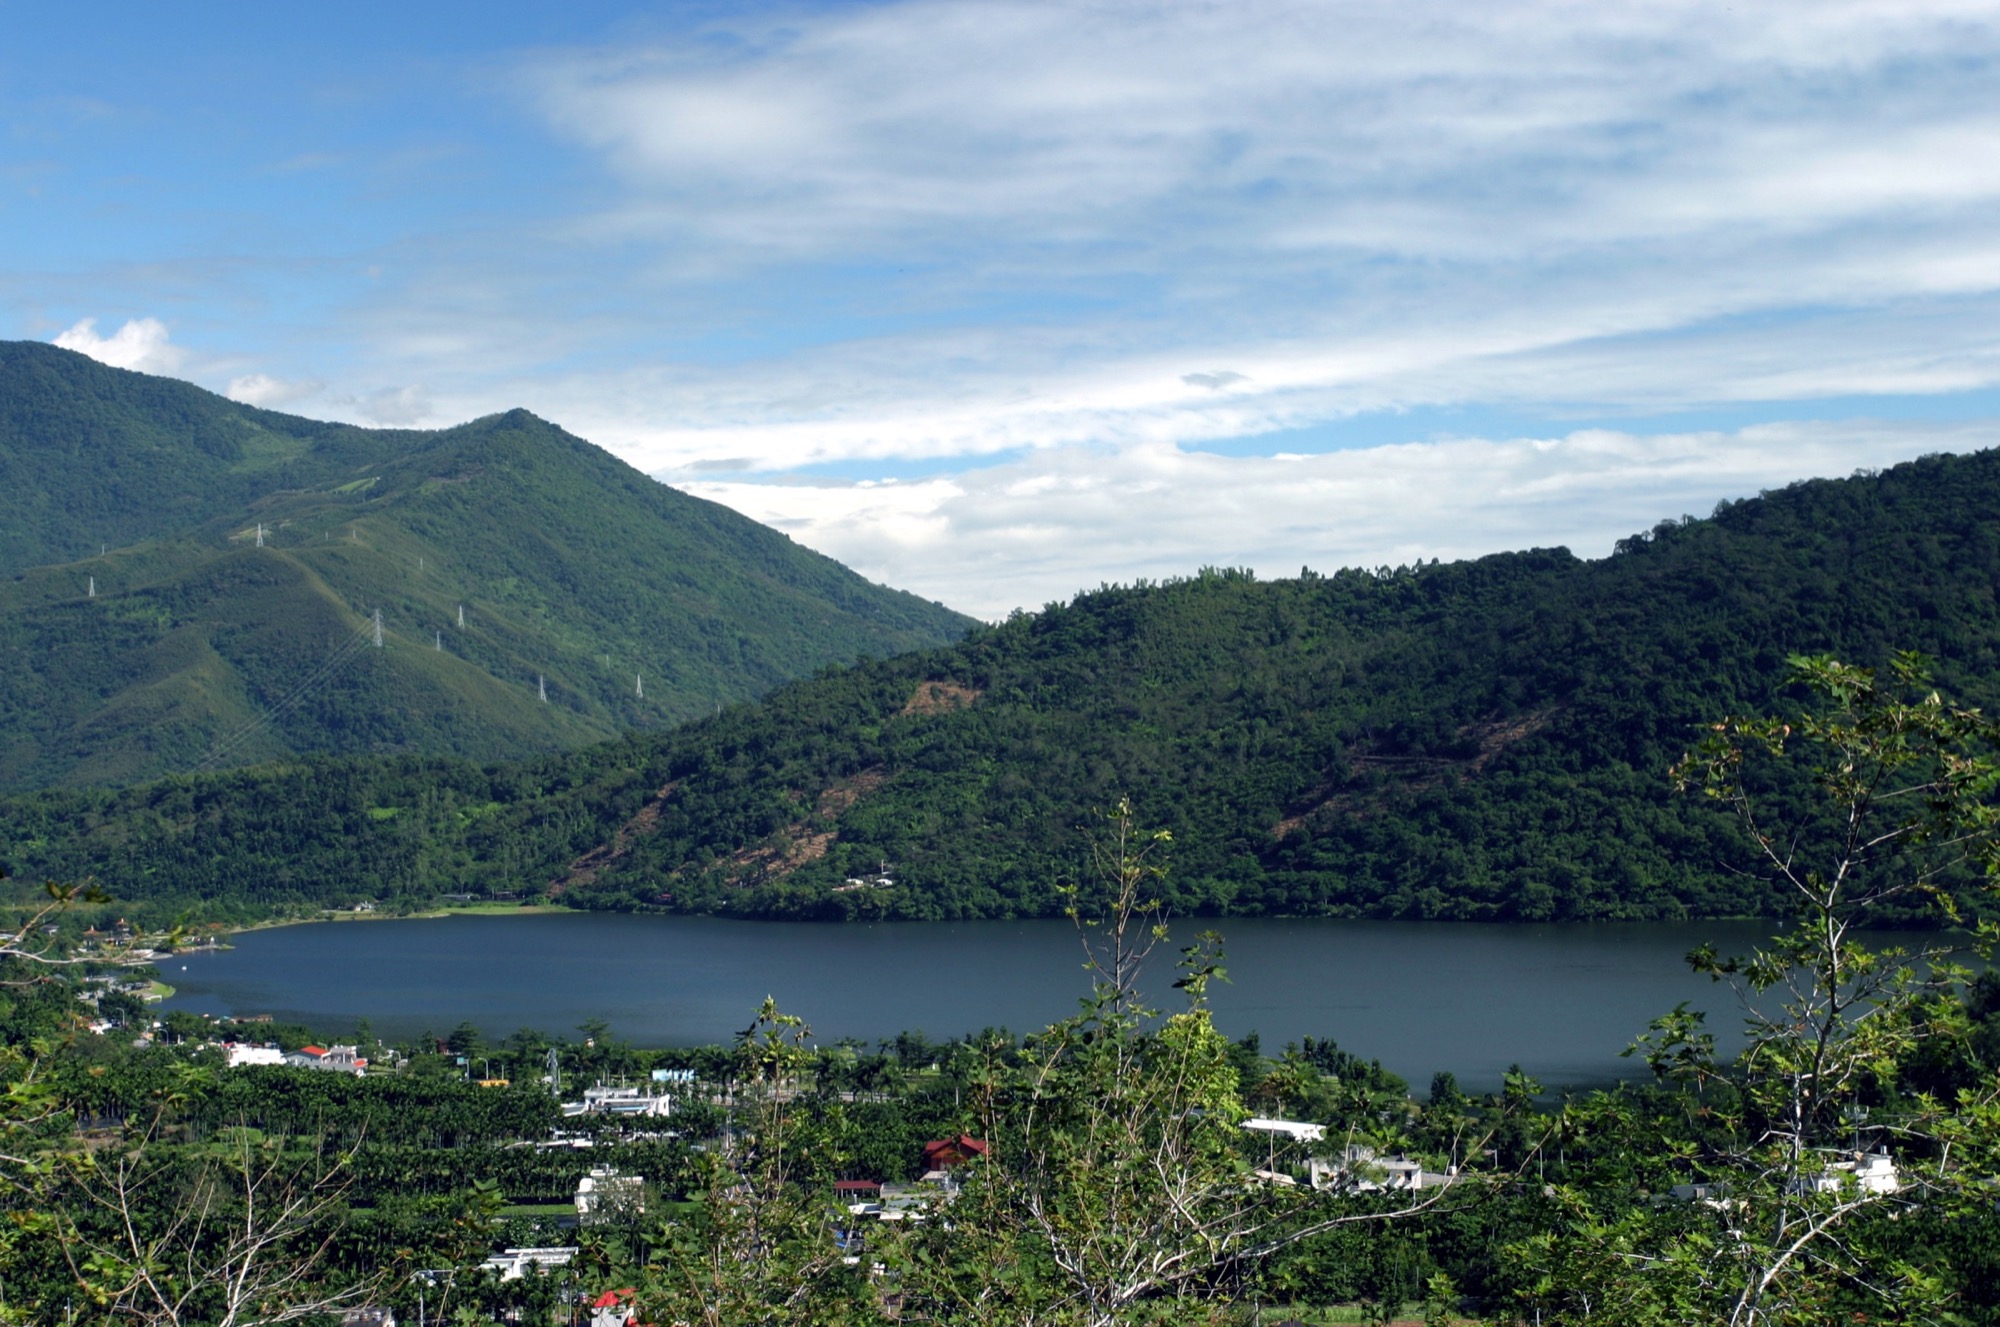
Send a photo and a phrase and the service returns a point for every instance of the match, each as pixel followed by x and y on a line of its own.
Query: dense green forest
pixel 1128 1166
pixel 189 584
pixel 1479 740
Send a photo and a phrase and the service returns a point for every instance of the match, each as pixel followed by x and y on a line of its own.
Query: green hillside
pixel 185 645
pixel 1481 740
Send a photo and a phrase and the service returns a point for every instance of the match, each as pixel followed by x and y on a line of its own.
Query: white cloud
pixel 261 389
pixel 1431 128
pixel 141 344
pixel 1022 534
pixel 1094 238
pixel 396 407
pixel 1354 207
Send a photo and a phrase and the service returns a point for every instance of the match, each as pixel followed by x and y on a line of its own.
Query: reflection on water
pixel 1420 996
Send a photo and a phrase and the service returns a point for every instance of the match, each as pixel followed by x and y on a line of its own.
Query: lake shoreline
pixel 476 910
pixel 1562 999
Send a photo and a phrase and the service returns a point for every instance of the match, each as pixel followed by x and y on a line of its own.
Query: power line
pixel 352 646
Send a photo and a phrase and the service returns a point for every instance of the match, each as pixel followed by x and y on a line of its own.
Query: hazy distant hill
pixel 1485 739
pixel 199 648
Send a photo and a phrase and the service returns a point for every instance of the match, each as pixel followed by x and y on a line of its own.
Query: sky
pixel 1000 301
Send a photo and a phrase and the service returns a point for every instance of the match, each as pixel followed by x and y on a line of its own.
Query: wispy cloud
pixel 1025 533
pixel 261 389
pixel 1084 246
pixel 1353 207
pixel 396 407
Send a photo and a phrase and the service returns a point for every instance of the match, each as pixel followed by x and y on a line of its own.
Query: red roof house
pixel 948 1152
pixel 614 1308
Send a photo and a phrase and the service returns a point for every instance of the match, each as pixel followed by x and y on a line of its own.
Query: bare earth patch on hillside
pixel 1415 772
pixel 584 869
pixel 940 697
pixel 799 842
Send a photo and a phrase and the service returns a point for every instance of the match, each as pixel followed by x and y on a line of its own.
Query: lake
pixel 1562 1000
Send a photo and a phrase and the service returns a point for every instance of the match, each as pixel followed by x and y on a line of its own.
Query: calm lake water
pixel 1419 996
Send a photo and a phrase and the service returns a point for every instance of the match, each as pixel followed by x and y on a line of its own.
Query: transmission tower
pixel 91 593
pixel 639 685
pixel 378 628
pixel 440 642
pixel 260 534
pixel 542 688
pixel 461 617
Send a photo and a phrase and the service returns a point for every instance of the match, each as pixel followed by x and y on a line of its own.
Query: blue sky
pixel 999 301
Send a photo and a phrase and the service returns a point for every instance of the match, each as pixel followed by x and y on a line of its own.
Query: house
pixel 236 1054
pixel 368 1317
pixel 945 1153
pixel 1362 1171
pixel 513 1264
pixel 1869 1172
pixel 902 1202
pixel 857 1191
pixel 1708 1194
pixel 614 1308
pixel 625 1101
pixel 605 1195
pixel 1296 1130
pixel 339 1059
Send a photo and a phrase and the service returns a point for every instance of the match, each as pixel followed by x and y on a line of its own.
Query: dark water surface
pixel 1562 1000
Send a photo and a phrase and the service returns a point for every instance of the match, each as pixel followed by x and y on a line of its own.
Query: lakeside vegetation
pixel 1127 1165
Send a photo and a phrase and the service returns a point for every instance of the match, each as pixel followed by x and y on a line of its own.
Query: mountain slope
pixel 1481 740
pixel 245 551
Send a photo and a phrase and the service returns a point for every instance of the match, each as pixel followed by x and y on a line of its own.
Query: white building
pixel 604 1194
pixel 237 1054
pixel 625 1101
pixel 1297 1130
pixel 513 1264
pixel 339 1059
pixel 1869 1172
pixel 1361 1170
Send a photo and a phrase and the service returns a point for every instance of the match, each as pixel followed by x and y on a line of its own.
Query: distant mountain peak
pixel 133 638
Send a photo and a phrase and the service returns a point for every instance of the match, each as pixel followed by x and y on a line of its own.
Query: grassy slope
pixel 572 567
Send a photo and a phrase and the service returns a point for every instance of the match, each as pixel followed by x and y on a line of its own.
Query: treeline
pixel 1478 740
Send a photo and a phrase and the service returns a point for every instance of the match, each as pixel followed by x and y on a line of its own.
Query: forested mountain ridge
pixel 1479 740
pixel 243 552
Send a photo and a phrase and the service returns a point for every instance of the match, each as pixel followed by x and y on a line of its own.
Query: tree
pixel 1787 1229
pixel 761 1247
pixel 121 1008
pixel 1117 1178
pixel 229 1241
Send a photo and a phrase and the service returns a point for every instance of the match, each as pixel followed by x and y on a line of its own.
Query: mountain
pixel 1479 740
pixel 193 584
